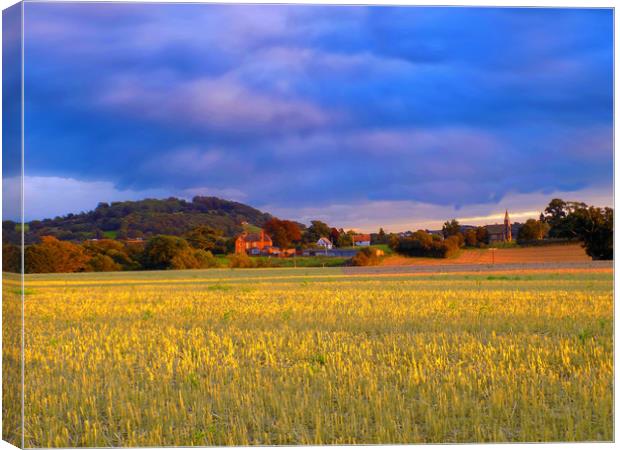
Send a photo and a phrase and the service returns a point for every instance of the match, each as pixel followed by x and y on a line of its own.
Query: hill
pixel 144 218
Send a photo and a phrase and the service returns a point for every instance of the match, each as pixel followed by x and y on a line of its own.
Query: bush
pixel 263 262
pixel 423 244
pixel 206 259
pixel 102 263
pixel 366 257
pixel 451 246
pixel 241 261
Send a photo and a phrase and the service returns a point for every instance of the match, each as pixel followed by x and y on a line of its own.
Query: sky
pixel 400 117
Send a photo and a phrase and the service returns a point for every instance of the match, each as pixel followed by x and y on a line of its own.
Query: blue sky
pixel 361 116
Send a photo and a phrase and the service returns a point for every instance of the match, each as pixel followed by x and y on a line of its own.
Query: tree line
pixel 197 248
pixel 561 220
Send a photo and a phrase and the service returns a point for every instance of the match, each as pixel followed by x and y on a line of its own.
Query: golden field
pixel 310 356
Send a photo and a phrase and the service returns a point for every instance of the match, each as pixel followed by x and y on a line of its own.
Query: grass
pixel 297 261
pixel 313 355
pixel 385 247
pixel 110 234
pixel 249 228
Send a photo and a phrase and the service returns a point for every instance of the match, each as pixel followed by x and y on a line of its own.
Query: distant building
pixel 325 243
pixel 270 250
pixel 500 232
pixel 252 243
pixel 361 240
pixel 342 253
pixel 438 233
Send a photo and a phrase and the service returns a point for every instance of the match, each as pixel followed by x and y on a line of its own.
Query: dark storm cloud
pixel 290 105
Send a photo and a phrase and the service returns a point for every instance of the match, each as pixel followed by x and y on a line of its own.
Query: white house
pixel 361 240
pixel 325 243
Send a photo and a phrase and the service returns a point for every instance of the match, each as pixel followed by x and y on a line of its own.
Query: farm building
pixel 252 243
pixel 361 240
pixel 325 243
pixel 500 232
pixel 339 252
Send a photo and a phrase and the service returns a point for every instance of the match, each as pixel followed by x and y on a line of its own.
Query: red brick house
pixel 252 243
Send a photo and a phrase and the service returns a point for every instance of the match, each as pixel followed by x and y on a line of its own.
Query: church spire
pixel 507 228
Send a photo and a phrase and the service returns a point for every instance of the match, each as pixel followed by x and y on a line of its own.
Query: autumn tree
pixel 334 235
pixel 283 233
pixel 54 256
pixel 102 263
pixel 471 237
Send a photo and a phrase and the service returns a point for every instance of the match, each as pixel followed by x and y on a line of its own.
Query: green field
pixel 314 355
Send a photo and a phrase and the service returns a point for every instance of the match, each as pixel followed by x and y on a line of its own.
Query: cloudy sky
pixel 360 116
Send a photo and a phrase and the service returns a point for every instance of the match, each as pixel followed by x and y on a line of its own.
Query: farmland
pixel 567 253
pixel 316 355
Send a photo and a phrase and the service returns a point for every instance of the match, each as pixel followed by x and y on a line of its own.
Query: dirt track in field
pixel 419 269
pixel 557 258
pixel 551 254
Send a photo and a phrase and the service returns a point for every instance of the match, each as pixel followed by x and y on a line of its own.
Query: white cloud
pixel 211 103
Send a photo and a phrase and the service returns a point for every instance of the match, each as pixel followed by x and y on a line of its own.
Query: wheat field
pixel 314 356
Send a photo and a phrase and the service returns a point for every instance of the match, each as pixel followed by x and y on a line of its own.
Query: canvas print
pixel 287 224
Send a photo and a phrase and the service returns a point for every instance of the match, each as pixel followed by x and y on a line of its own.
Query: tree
pixel 595 228
pixel 283 233
pixel 555 212
pixel 11 258
pixel 161 251
pixel 54 256
pixel 379 238
pixel 345 239
pixel 482 235
pixel 102 263
pixel 204 237
pixel 122 254
pixel 471 237
pixel 533 230
pixel 316 231
pixel 334 236
pixel 422 243
pixel 451 228
pixel 558 216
